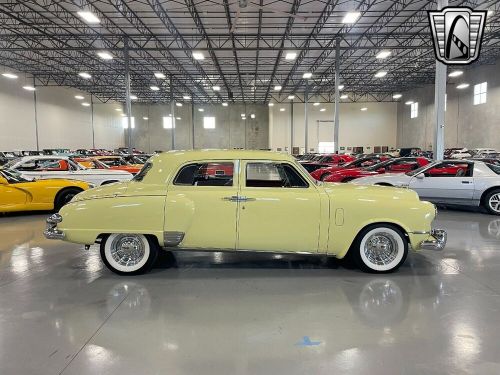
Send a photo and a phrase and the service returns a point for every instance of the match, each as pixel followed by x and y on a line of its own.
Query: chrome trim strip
pixel 420 232
pixel 213 250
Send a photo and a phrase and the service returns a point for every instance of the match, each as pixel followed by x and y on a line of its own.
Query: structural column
pixel 336 125
pixel 128 103
pixel 291 126
pixel 172 111
pixel 439 102
pixel 306 125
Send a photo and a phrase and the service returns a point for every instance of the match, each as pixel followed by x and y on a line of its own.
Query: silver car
pixel 458 182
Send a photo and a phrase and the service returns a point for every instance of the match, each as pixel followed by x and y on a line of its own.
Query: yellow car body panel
pixel 322 218
pixel 33 195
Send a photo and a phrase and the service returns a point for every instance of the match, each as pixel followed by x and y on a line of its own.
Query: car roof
pixel 207 154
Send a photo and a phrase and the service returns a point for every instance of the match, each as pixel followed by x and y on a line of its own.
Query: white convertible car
pixel 43 167
pixel 464 182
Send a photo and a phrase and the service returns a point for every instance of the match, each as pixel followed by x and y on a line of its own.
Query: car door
pixel 200 206
pixel 446 182
pixel 279 209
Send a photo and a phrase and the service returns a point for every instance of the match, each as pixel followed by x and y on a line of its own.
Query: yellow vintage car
pixel 244 201
pixel 20 194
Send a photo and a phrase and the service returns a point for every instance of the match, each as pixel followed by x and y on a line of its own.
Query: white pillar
pixel 439 102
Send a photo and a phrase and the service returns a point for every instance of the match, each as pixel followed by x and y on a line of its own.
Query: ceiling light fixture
pixel 277 88
pixel 160 75
pixel 291 97
pixel 154 88
pixel 364 109
pixel 198 56
pixel 145 118
pixel 380 74
pixel 316 104
pixel 341 87
pixel 88 17
pixel 178 104
pixel 282 109
pixel 351 17
pixel 383 54
pixel 201 110
pixel 397 96
pixel 118 109
pixel 463 86
pixel 79 97
pixel 456 73
pixel 409 102
pixel 133 97
pixel 271 104
pixel 290 55
pixel 85 75
pixel 10 75
pixel 29 88
pixel 344 97
pixel 178 118
pixel 216 88
pixel 86 104
pixel 105 55
pixel 322 110
pixel 186 97
pixel 307 75
pixel 224 104
pixel 252 115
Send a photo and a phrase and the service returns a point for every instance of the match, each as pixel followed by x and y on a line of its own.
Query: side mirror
pixel 420 176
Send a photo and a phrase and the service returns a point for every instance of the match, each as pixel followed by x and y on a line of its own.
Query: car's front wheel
pixel 129 254
pixel 380 248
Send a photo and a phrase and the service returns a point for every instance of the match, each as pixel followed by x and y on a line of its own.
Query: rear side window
pixel 494 168
pixel 206 174
pixel 276 175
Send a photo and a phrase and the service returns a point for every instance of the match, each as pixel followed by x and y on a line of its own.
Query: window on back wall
pixel 480 93
pixel 167 122
pixel 209 122
pixel 414 110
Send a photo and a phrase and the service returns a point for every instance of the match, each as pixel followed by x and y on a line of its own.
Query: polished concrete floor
pixel 62 312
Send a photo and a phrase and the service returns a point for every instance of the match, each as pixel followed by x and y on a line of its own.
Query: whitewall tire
pixel 380 248
pixel 128 254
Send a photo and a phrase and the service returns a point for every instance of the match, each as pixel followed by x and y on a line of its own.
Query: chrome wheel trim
pixel 382 249
pixel 127 252
pixel 494 202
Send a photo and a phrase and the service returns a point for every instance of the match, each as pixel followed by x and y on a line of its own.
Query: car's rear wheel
pixel 129 254
pixel 64 197
pixel 492 202
pixel 380 248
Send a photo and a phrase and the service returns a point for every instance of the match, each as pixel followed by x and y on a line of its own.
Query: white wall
pixel 62 121
pixel 375 127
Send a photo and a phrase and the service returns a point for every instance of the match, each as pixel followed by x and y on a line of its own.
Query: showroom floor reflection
pixel 204 313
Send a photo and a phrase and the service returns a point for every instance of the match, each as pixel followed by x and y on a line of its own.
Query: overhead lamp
pixel 160 75
pixel 29 88
pixel 322 110
pixel 10 75
pixel 351 17
pixel 118 109
pixel 291 97
pixel 282 109
pixel 178 118
pixel 88 17
pixel 85 75
pixel 341 87
pixel 79 97
pixel 145 118
pixel 271 104
pixel 277 88
pixel 307 75
pixel 133 97
pixel 178 104
pixel 490 13
pixel 224 104
pixel 409 102
pixel 105 55
pixel 397 96
pixel 198 56
pixel 380 74
pixel 316 104
pixel 383 54
pixel 216 88
pixel 86 104
pixel 186 97
pixel 344 96
pixel 463 86
pixel 364 109
pixel 456 73
pixel 243 115
pixel 252 115
pixel 154 88
pixel 201 110
pixel 290 55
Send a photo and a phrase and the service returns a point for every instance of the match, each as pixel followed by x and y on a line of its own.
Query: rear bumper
pixel 51 232
pixel 436 241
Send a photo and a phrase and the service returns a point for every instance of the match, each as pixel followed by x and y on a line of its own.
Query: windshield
pixel 10 164
pixel 114 162
pixel 12 177
pixel 382 164
pixel 419 170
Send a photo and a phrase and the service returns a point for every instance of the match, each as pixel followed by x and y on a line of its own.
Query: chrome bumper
pixel 437 240
pixel 51 232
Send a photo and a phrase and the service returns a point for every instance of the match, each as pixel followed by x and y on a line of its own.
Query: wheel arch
pixel 64 189
pixel 487 191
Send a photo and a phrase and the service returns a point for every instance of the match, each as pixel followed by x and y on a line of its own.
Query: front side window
pixel 276 175
pixel 206 174
pixel 450 169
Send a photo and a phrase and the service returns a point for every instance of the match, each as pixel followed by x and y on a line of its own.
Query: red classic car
pixel 400 165
pixel 322 173
pixel 326 160
pixel 108 162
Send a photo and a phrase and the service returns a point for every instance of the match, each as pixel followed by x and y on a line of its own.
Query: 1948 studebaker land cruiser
pixel 244 201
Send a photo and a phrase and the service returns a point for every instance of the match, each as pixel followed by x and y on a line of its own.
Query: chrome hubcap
pixel 127 250
pixel 381 248
pixel 495 202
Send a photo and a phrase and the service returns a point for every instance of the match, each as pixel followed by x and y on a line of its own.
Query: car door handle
pixel 466 182
pixel 236 198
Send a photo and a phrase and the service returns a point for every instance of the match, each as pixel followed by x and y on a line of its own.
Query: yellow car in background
pixel 20 194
